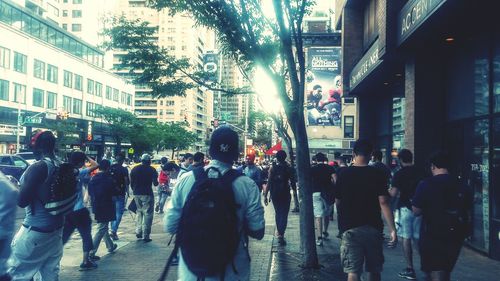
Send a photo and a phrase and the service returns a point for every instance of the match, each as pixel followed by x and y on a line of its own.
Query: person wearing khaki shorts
pixel 362 198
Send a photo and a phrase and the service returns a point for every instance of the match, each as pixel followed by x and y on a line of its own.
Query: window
pixel 19 93
pixel 370 23
pixel 109 92
pixel 170 103
pixel 68 79
pixel 123 98
pixel 65 13
pixel 38 96
pixel 67 104
pixel 78 82
pixel 18 162
pixel 77 1
pixel 52 73
pixel 65 26
pixel 76 13
pixel 98 89
pixel 20 62
pixel 4 89
pixel 4 57
pixel 129 99
pixel 90 109
pixel 116 93
pixel 39 69
pixel 348 126
pixel 51 100
pixel 76 27
pixel 90 86
pixel 77 106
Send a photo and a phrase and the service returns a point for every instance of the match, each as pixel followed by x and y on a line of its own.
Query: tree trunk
pixel 173 154
pixel 307 232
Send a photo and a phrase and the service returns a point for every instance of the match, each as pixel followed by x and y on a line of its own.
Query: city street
pixel 135 260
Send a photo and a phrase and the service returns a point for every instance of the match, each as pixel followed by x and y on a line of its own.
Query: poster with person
pixel 324 87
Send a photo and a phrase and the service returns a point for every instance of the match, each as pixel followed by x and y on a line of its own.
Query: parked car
pixel 13 165
pixel 28 156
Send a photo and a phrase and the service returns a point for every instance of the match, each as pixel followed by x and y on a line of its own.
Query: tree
pixel 274 44
pixel 65 130
pixel 121 123
pixel 176 137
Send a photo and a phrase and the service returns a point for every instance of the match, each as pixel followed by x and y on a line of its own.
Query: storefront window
pixel 496 75
pixel 495 173
pixel 478 180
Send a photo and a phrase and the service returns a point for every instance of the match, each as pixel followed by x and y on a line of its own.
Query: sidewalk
pixel 136 260
pixel 285 263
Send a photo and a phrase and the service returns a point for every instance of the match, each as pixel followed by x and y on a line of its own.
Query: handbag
pixel 132 206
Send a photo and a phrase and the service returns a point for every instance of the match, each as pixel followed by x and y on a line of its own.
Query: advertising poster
pixel 324 87
pixel 211 66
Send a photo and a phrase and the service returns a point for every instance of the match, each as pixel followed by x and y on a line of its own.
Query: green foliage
pixel 121 123
pixel 66 132
pixel 151 64
pixel 176 136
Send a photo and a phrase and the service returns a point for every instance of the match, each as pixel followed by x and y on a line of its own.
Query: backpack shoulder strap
pixel 231 175
pixel 199 173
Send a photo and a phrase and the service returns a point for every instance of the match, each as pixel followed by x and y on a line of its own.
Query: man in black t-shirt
pixel 361 197
pixel 441 200
pixel 405 183
pixel 323 178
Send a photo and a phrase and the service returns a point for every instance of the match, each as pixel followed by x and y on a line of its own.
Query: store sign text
pixel 413 14
pixel 366 65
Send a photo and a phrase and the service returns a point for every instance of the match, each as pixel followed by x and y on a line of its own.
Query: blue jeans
pixel 162 198
pixel 120 208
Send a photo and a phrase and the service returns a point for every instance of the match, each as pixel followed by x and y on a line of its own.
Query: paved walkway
pixel 285 263
pixel 139 261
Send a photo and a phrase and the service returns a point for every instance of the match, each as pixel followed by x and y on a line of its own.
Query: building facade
pixel 179 35
pixel 439 60
pixel 46 71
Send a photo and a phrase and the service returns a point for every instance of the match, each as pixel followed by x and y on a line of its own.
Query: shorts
pixel 362 246
pixel 408 225
pixel 319 205
pixel 439 254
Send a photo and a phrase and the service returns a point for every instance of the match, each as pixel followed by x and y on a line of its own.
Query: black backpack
pixel 279 178
pixel 59 196
pixel 208 230
pixel 118 180
pixel 454 220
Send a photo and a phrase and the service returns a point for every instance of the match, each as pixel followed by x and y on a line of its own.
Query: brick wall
pixel 410 104
pixel 352 42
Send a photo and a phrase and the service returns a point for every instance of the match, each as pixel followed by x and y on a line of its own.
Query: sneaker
pixel 94 258
pixel 408 273
pixel 319 241
pixel 281 241
pixel 147 240
pixel 295 210
pixel 325 234
pixel 138 235
pixel 113 248
pixel 113 236
pixel 175 261
pixel 88 265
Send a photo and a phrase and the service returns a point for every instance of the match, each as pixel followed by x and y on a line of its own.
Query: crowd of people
pixel 221 201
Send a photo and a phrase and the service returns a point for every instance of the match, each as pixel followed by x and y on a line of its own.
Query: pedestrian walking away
pixel 37 246
pixel 235 212
pixel 101 190
pixel 445 205
pixel 280 179
pixel 322 176
pixel 404 184
pixel 142 179
pixel 8 199
pixel 80 217
pixel 163 188
pixel 122 182
pixel 361 196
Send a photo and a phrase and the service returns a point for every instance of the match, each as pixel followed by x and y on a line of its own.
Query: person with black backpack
pixel 213 211
pixel 122 181
pixel 445 205
pixel 48 193
pixel 279 181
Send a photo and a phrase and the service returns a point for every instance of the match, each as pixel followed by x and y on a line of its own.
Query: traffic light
pixel 63 115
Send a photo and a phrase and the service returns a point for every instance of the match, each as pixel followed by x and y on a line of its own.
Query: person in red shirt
pixel 163 187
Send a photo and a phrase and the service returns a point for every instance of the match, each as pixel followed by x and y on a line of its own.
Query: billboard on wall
pixel 324 87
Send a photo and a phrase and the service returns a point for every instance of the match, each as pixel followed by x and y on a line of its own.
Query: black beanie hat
pixel 224 145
